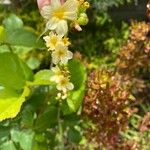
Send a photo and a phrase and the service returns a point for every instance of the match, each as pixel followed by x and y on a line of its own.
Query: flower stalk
pixel 60 16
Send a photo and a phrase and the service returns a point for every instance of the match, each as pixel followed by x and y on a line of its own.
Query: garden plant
pixel 74 75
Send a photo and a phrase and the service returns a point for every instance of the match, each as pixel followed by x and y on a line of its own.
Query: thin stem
pixel 51 64
pixel 61 138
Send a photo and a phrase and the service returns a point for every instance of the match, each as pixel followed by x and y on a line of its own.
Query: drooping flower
pixel 57 74
pixel 64 84
pixel 52 40
pixel 58 14
pixel 61 54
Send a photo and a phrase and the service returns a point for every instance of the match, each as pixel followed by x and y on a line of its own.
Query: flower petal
pixel 62 28
pixel 52 24
pixel 46 11
pixel 59 87
pixel 42 3
pixel 55 3
pixel 55 58
pixel 70 5
pixel 64 60
pixel 69 55
pixel 70 86
pixel 46 38
pixel 60 45
pixel 70 15
pixel 70 8
pixel 55 69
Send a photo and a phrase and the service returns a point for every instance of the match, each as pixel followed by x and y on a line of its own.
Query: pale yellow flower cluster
pixel 58 46
pixel 63 83
pixel 58 15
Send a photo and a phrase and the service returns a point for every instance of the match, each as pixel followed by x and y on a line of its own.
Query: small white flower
pixel 51 40
pixel 64 84
pixel 57 74
pixel 57 15
pixel 62 95
pixel 61 54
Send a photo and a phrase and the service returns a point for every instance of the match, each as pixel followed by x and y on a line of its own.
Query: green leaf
pixel 4 49
pixel 13 76
pixel 8 146
pixel 15 135
pixel 47 119
pixel 33 62
pixel 12 22
pixel 75 97
pixel 40 138
pixel 13 72
pixel 10 107
pixel 77 72
pixel 27 116
pixel 38 94
pixel 74 136
pixel 39 146
pixel 2 34
pixel 43 77
pixel 4 134
pixel 24 138
pixel 17 35
pixel 6 92
pixel 73 102
pixel 23 37
pixel 72 120
pixel 28 74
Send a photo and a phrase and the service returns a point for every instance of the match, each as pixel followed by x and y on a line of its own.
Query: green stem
pixel 61 138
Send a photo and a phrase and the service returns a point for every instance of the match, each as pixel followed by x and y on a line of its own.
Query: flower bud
pixel 86 5
pixel 83 19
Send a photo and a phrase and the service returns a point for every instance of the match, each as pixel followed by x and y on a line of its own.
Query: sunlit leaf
pixel 43 77
pixel 10 107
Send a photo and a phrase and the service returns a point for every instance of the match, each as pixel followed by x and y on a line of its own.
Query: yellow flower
pixel 61 54
pixel 64 84
pixel 57 74
pixel 57 15
pixel 51 40
pixel 66 41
